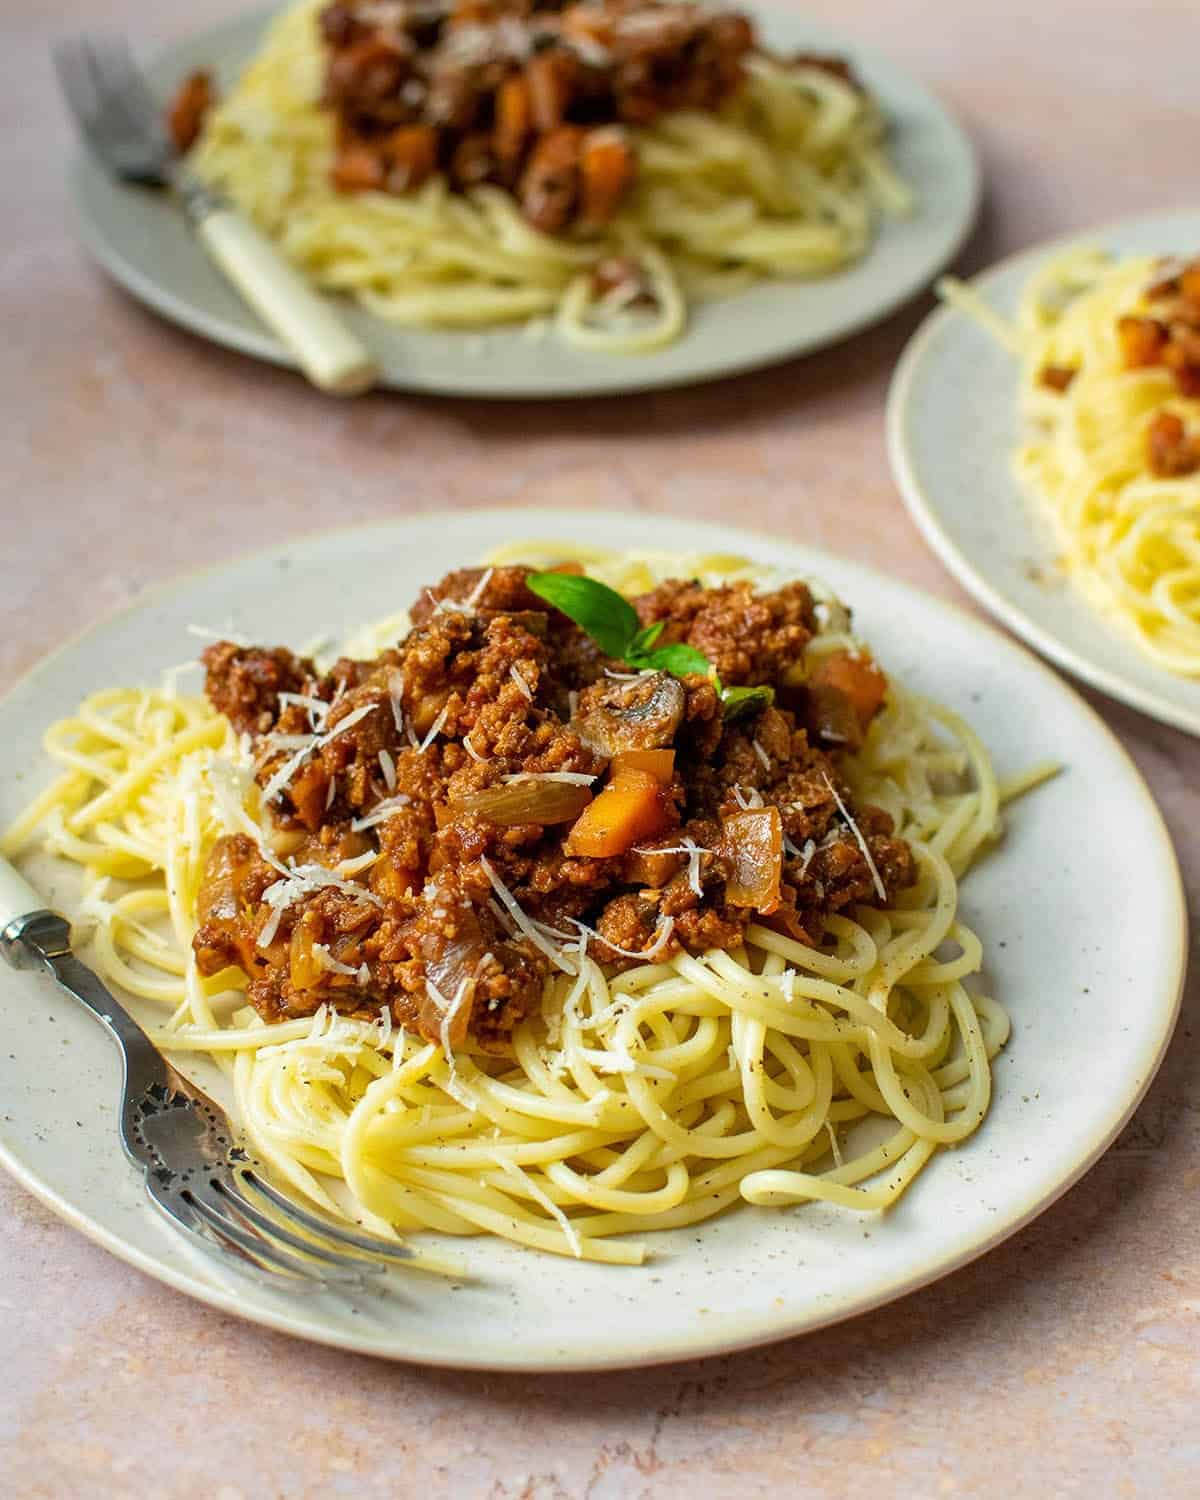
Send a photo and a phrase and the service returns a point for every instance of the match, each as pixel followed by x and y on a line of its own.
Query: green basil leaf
pixel 740 701
pixel 647 637
pixel 679 660
pixel 610 620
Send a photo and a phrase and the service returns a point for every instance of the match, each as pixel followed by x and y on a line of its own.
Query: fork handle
pixel 328 353
pixel 17 899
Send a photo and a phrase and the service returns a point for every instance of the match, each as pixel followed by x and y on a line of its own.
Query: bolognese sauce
pixel 454 819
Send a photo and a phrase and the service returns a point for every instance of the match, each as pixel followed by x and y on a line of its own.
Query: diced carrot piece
pixel 607 170
pixel 1056 377
pixel 307 791
pixel 471 13
pixel 1189 282
pixel 858 678
pixel 588 22
pixel 412 153
pixel 189 108
pixel 550 76
pixel 1142 341
pixel 390 881
pixel 651 868
pixel 304 970
pixel 1169 451
pixel 514 122
pixel 658 763
pixel 357 169
pixel 631 807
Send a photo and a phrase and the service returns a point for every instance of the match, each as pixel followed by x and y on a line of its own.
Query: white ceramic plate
pixel 143 242
pixel 1092 986
pixel 952 427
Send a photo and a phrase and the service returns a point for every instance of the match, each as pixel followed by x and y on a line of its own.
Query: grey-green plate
pixel 143 242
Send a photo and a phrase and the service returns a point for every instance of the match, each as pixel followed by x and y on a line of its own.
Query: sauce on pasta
pixel 718 1014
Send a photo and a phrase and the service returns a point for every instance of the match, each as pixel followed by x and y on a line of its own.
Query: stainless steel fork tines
pixel 195 1171
pixel 122 126
pixel 114 109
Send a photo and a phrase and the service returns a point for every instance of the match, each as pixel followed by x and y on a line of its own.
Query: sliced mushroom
pixel 641 714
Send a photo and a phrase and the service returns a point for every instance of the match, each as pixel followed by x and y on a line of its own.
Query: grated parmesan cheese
pixel 663 930
pixel 692 849
pixel 300 881
pixel 282 778
pixel 317 708
pixel 171 676
pixel 205 633
pixel 326 960
pixel 539 1197
pixel 434 730
pixel 520 681
pixel 396 696
pixel 862 843
pixel 747 801
pixel 477 593
pixel 388 766
pixel 524 923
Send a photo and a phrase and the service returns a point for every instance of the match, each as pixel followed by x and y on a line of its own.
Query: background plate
pixel 952 427
pixel 143 241
pixel 1092 985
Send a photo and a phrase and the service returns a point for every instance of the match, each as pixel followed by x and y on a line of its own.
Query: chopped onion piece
pixel 527 801
pixel 880 888
pixel 752 841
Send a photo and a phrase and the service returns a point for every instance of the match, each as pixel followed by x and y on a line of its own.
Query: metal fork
pixel 195 1171
pixel 122 124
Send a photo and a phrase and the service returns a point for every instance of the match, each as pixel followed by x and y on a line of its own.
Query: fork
pixel 119 120
pixel 195 1171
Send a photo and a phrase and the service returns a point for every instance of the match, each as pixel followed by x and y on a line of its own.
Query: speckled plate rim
pixel 1150 692
pixel 715 1340
pixel 719 343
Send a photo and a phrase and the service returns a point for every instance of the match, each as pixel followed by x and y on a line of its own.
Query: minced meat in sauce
pixel 495 771
pixel 531 96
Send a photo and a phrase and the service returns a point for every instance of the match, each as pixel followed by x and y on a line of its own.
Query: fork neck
pixel 34 940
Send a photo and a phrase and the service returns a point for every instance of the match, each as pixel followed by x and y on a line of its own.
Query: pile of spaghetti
pixel 476 169
pixel 713 955
pixel 1110 386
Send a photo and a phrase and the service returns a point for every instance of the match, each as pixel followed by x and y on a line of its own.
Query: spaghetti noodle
pixel 1126 514
pixel 632 1100
pixel 789 178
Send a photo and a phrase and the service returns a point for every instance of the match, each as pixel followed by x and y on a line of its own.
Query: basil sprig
pixel 612 622
pixel 739 702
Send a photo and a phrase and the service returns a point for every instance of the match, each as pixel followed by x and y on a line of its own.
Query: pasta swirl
pixel 637 1101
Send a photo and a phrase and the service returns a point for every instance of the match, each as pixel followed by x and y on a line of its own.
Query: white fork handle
pixel 17 897
pixel 326 350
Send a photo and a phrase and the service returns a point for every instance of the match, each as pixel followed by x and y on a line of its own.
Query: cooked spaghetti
pixel 594 164
pixel 1109 352
pixel 550 932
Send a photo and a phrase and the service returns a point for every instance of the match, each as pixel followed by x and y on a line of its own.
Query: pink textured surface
pixel 1068 1361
